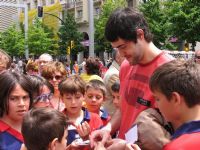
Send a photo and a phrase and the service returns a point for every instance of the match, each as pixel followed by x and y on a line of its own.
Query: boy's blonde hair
pixel 97 85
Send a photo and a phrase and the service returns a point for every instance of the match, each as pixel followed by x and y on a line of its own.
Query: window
pixel 79 13
pixel 97 11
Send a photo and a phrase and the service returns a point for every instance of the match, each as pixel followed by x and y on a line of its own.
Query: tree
pixel 101 44
pixel 184 19
pixel 38 40
pixel 12 41
pixel 68 34
pixel 154 12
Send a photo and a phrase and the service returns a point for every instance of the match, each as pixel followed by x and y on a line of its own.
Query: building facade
pixel 8 14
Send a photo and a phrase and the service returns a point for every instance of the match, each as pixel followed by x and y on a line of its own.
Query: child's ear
pixel 176 98
pixel 52 145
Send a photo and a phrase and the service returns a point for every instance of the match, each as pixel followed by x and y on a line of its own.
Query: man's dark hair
pixel 123 23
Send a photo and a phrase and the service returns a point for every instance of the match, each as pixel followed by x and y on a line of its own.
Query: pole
pixel 26 31
pixel 91 29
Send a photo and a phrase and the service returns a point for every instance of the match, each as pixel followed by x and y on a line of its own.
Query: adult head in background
pixel 5 60
pixel 43 60
pixel 16 100
pixel 45 129
pixel 197 56
pixel 128 31
pixel 92 70
pixel 55 72
pixel 111 76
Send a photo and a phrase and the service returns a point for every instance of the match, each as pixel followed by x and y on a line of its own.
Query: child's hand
pixel 83 130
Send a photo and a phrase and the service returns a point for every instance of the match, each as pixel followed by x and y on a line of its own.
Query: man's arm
pixel 114 124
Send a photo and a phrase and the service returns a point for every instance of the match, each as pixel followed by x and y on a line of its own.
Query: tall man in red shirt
pixel 128 31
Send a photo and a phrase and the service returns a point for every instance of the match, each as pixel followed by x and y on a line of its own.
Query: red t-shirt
pixel 185 142
pixel 134 89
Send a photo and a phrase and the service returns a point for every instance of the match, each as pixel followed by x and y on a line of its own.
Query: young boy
pixel 94 97
pixel 72 92
pixel 115 93
pixel 44 129
pixel 176 87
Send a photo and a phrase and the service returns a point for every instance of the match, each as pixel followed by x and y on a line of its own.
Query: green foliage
pixel 39 41
pixel 173 18
pixel 154 13
pixel 101 44
pixel 12 41
pixel 184 19
pixel 69 32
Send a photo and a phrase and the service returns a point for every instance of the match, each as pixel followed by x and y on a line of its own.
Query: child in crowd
pixel 72 92
pixel 115 93
pixel 44 129
pixel 32 67
pixel 94 97
pixel 42 91
pixel 16 100
pixel 176 87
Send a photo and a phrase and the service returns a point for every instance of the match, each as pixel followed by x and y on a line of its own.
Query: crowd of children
pixel 48 108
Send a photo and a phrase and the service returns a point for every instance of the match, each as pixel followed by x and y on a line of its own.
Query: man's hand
pixel 114 144
pixel 102 136
pixel 130 146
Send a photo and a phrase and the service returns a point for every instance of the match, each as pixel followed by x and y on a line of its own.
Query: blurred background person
pixel 32 68
pixel 92 70
pixel 197 56
pixel 110 77
pixel 43 60
pixel 55 72
pixel 5 60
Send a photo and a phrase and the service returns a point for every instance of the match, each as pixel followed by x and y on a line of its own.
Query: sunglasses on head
pixel 44 98
pixel 57 77
pixel 197 57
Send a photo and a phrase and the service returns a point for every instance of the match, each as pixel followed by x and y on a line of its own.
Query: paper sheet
pixel 132 135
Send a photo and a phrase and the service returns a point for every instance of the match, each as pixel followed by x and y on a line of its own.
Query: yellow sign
pixel 68 50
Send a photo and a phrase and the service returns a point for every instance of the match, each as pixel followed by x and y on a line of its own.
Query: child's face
pixel 18 102
pixel 116 99
pixel 43 100
pixel 73 102
pixel 165 106
pixel 94 99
